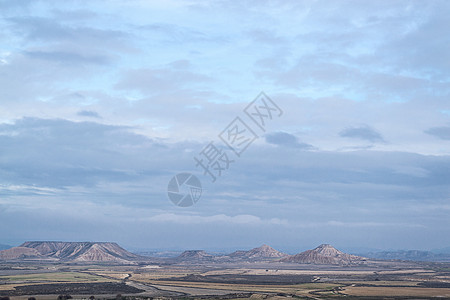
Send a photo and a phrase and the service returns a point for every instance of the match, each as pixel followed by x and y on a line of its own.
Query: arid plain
pixel 48 270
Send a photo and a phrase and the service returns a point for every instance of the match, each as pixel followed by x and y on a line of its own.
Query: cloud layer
pixel 103 102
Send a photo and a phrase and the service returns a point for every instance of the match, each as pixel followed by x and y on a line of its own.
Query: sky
pixel 102 103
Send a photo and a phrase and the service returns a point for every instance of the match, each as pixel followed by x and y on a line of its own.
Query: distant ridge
pixel 194 255
pixel 262 252
pixel 109 252
pixel 324 254
pixel 412 255
pixel 70 251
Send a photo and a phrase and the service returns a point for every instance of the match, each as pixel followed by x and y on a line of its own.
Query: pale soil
pixel 293 289
pixel 308 272
pixel 396 291
pixel 197 291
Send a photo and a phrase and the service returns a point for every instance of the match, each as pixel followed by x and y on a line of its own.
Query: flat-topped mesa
pixel 79 251
pixel 324 254
pixel 62 249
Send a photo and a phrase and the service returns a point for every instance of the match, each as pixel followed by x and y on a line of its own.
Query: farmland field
pixel 225 282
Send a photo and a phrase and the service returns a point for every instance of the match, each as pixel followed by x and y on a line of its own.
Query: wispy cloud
pixel 286 139
pixel 442 132
pixel 88 113
pixel 362 132
pixel 192 219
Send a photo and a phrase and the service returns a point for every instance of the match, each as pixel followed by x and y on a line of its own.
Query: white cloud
pixel 193 219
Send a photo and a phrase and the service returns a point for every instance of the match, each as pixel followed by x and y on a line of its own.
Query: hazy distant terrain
pixel 3 246
pixel 414 255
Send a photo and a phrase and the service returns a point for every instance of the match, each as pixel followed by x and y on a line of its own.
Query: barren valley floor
pixel 270 280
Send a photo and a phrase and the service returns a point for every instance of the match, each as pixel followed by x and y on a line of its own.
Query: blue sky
pixel 102 102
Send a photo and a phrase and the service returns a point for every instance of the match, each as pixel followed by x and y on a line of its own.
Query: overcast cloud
pixel 102 102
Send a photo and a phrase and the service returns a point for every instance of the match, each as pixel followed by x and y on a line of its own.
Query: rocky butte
pixel 324 254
